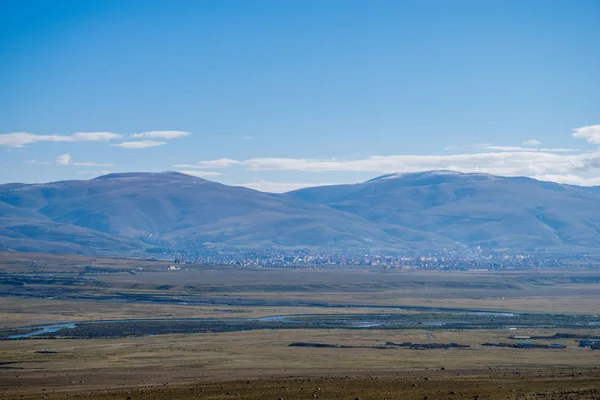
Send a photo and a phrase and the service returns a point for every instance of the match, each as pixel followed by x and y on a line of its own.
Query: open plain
pixel 138 329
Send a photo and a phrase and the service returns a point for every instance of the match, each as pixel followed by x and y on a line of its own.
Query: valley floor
pixel 259 363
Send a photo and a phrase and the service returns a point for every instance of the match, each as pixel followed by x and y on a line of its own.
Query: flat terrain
pixel 181 362
pixel 260 364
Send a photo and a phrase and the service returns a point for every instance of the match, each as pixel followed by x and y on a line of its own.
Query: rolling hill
pixel 133 212
pixel 474 209
pixel 120 213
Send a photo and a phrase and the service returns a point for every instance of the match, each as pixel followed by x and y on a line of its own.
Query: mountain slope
pixel 173 210
pixel 474 209
pixel 131 213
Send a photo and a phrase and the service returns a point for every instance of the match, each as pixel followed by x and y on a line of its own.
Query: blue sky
pixel 281 94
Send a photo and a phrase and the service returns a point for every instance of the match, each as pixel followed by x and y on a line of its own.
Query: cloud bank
pixel 553 164
pixel 497 163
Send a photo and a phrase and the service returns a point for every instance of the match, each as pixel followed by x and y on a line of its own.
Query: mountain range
pixel 131 213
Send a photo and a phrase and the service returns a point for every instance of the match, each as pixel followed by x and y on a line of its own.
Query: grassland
pixel 259 364
pixel 78 278
pixel 183 362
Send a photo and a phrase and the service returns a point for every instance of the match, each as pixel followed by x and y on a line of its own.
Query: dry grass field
pixel 184 363
pixel 15 312
pixel 259 364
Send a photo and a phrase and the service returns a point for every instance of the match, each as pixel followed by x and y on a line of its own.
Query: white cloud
pixel 94 136
pixel 248 137
pixel 65 159
pixel 590 133
pixel 495 163
pixel 506 163
pixel 555 164
pixel 160 134
pixel 19 139
pixel 519 148
pixel 142 144
pixel 35 162
pixel 528 145
pixel 185 166
pixel 569 179
pixel 531 142
pixel 211 164
pixel 454 147
pixel 279 187
pixel 200 174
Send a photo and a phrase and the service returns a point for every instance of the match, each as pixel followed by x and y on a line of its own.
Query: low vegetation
pixel 365 333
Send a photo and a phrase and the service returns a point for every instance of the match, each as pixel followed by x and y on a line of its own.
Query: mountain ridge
pixel 478 209
pixel 132 212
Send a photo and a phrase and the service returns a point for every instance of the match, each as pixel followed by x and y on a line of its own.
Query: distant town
pixel 306 258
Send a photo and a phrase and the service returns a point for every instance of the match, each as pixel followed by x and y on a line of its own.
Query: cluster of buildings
pixel 309 258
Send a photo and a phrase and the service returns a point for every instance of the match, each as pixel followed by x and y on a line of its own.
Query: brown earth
pixel 259 364
pixel 414 385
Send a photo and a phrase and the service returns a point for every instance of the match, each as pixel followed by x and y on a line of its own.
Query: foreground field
pixel 73 366
pixel 187 366
pixel 258 363
pixel 582 384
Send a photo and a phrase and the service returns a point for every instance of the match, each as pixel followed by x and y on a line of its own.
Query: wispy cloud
pixel 160 135
pixel 531 142
pixel 556 164
pixel 35 162
pixel 520 148
pixel 146 144
pixel 456 147
pixel 497 163
pixel 590 133
pixel 141 144
pixel 211 164
pixel 200 174
pixel 20 139
pixel 248 137
pixel 94 136
pixel 528 145
pixel 65 160
pixel 569 179
pixel 508 163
